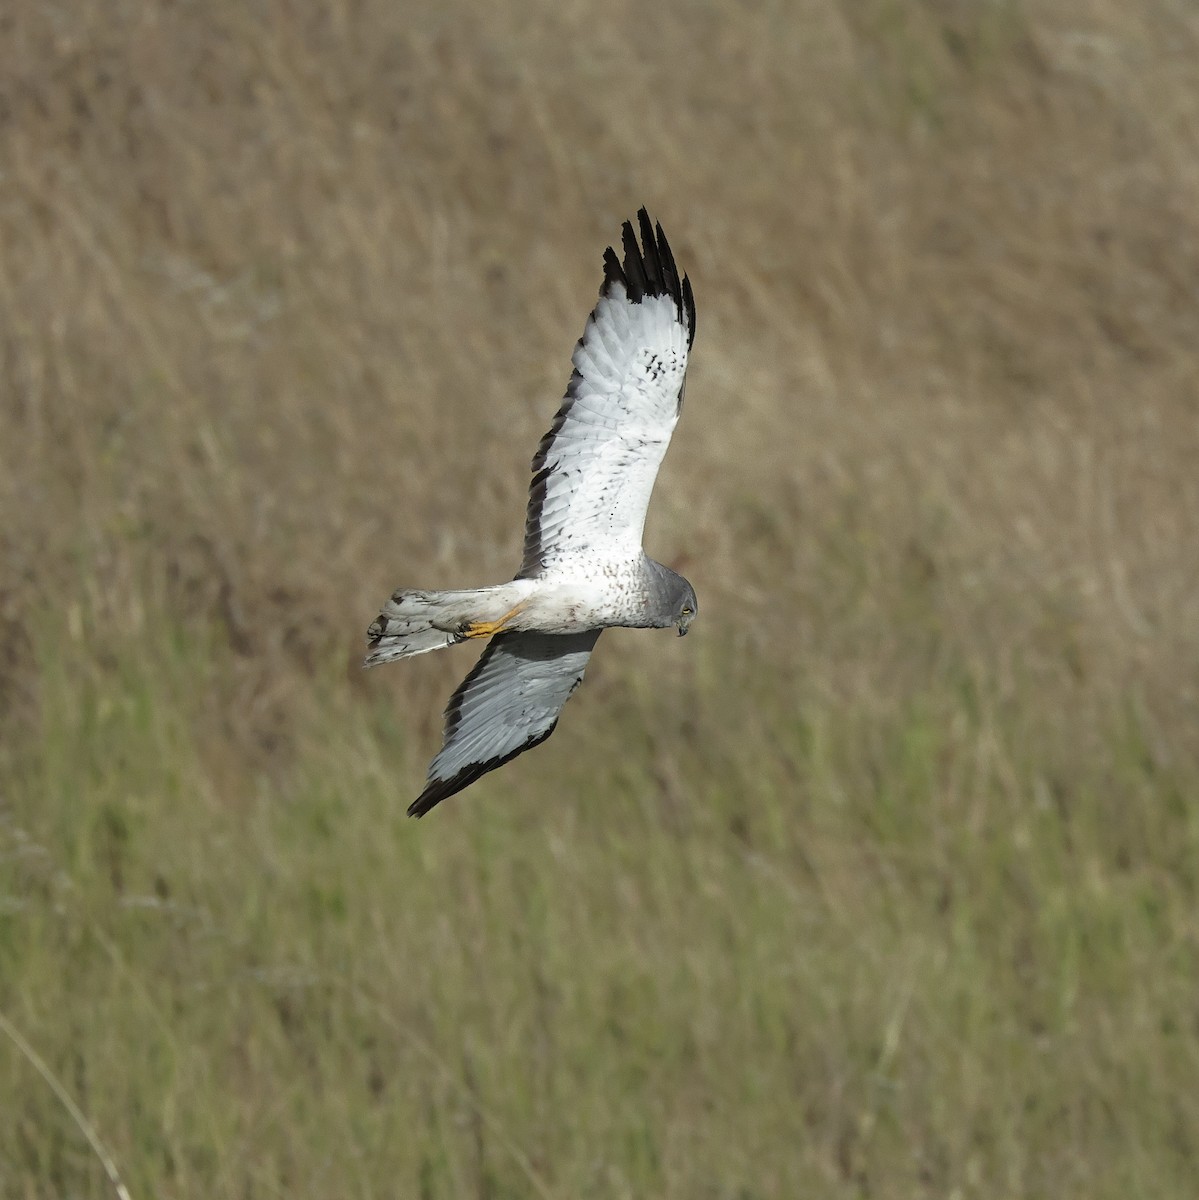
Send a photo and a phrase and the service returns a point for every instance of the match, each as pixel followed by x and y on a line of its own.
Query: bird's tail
pixel 415 622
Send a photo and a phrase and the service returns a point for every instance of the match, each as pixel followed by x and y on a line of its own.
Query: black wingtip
pixel 423 803
pixel 438 790
pixel 649 269
pixel 442 789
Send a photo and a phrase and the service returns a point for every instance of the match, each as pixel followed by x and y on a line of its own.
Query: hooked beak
pixel 682 629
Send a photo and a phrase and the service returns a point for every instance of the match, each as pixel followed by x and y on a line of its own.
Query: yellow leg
pixel 485 629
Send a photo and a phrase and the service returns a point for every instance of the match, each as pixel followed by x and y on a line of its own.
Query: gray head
pixel 675 603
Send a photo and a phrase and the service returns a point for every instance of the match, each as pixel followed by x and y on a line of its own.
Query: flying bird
pixel 584 569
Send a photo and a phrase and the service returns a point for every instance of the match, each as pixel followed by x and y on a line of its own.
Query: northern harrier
pixel 584 568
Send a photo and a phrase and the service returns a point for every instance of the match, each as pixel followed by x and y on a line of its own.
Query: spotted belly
pixel 596 602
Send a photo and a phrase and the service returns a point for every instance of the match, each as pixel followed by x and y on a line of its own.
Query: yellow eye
pixel 686 610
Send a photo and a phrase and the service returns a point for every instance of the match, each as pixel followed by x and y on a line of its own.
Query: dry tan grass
pixel 286 298
pixel 276 281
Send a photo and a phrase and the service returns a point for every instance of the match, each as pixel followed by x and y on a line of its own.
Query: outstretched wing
pixel 508 704
pixel 595 469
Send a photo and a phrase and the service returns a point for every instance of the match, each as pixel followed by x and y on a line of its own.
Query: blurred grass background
pixel 885 882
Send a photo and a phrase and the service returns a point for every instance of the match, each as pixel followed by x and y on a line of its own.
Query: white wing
pixel 508 704
pixel 594 471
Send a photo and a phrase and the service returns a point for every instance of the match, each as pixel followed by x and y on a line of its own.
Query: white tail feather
pixel 415 622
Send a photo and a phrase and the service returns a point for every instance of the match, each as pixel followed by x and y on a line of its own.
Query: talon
pixel 483 629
